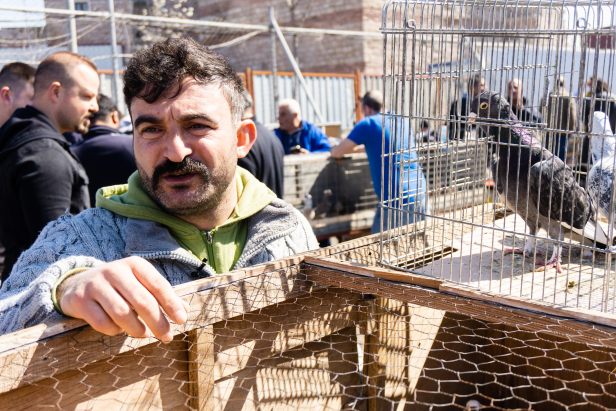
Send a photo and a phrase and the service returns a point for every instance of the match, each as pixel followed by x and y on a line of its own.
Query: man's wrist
pixel 58 288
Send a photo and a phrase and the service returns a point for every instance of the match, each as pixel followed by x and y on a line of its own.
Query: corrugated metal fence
pixel 334 93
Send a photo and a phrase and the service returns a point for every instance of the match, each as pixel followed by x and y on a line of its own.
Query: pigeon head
pixel 489 106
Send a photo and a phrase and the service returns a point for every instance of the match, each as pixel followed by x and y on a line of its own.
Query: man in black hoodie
pixel 40 179
pixel 106 154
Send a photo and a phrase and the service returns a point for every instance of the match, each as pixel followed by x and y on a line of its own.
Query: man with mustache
pixel 187 213
pixel 40 178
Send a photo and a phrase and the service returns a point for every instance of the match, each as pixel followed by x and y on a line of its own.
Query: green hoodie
pixel 222 246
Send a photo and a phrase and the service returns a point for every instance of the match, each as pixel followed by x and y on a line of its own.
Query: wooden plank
pixel 41 359
pixel 201 363
pixel 528 304
pixel 214 356
pixel 150 378
pixel 376 272
pixel 42 331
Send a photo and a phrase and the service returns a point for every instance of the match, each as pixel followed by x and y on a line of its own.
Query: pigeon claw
pixel 549 265
pixel 526 253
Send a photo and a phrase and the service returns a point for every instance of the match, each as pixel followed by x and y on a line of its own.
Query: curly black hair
pixel 154 71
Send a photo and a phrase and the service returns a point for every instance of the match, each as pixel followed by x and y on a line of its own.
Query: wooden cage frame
pixel 66 364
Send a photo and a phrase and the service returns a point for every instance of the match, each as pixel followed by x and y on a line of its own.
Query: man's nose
pixel 176 149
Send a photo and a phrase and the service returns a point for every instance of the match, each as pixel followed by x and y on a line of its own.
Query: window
pixel 81 6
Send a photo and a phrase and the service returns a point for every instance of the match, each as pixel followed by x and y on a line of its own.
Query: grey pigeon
pixel 600 181
pixel 534 183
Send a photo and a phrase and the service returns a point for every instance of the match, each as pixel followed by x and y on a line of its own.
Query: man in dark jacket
pixel 40 179
pixel 519 104
pixel 16 88
pixel 106 154
pixel 265 160
pixel 457 131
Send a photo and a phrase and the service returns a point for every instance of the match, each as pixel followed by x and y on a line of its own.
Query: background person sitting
pixel 106 154
pixel 299 136
pixel 16 88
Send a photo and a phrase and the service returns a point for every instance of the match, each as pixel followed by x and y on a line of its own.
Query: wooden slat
pixel 376 272
pixel 34 362
pixel 532 305
pixel 201 363
pixel 42 331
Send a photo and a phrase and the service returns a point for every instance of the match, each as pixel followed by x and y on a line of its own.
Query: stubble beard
pixel 206 198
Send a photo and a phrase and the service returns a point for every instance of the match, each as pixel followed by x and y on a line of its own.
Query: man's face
pixel 24 98
pixel 77 103
pixel 286 118
pixel 514 91
pixel 186 148
pixel 479 88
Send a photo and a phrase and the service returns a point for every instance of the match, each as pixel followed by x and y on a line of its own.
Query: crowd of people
pixel 558 113
pixel 168 204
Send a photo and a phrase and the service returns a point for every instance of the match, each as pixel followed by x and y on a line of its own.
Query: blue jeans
pixel 411 212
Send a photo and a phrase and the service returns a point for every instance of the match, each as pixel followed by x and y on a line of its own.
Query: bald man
pixel 16 88
pixel 519 103
pixel 40 179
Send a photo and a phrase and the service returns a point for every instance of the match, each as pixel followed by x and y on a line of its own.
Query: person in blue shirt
pixel 404 167
pixel 299 136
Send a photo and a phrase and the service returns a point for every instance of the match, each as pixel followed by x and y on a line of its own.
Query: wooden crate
pixel 320 331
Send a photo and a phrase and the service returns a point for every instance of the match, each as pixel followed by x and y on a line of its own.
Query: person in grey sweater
pixel 188 212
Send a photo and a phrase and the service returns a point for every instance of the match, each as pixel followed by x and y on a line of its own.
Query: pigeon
pixel 324 205
pixel 534 183
pixel 600 181
pixel 307 210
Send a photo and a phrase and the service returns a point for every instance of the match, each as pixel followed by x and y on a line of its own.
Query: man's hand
pixel 124 295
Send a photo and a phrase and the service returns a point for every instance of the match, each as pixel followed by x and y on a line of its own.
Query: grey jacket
pixel 97 235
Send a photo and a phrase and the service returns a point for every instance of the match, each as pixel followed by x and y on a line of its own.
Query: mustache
pixel 188 165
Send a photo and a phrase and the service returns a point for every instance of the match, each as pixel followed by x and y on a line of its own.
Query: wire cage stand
pixel 519 182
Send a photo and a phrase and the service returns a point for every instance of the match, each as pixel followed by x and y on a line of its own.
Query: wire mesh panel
pixel 299 335
pixel 335 195
pixel 520 175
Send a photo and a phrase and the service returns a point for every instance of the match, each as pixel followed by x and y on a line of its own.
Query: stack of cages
pixel 513 190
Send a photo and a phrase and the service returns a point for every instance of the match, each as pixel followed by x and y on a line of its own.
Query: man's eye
pixel 198 126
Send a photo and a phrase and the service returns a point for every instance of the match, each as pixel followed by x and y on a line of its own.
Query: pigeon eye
pixel 483 105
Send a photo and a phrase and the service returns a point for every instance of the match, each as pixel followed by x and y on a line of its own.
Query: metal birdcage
pixel 519 183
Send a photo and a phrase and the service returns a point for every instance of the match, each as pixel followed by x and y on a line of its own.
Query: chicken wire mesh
pixel 308 337
pixel 520 177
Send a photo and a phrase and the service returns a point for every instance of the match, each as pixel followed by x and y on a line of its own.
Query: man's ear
pixel 54 91
pixel 246 137
pixel 6 95
pixel 115 118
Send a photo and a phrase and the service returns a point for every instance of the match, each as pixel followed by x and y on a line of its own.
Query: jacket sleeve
pixel 25 297
pixel 45 187
pixel 318 141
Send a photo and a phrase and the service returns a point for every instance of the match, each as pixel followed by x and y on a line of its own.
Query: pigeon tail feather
pixel 594 232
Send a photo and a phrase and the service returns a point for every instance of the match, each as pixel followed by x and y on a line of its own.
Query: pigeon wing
pixel 557 195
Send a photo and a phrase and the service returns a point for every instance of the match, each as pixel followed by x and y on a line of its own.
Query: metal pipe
pixel 273 62
pixel 117 85
pixel 298 73
pixel 189 22
pixel 72 26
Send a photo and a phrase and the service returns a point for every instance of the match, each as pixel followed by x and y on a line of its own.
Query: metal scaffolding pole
pixel 72 25
pixel 274 71
pixel 117 85
pixel 298 73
